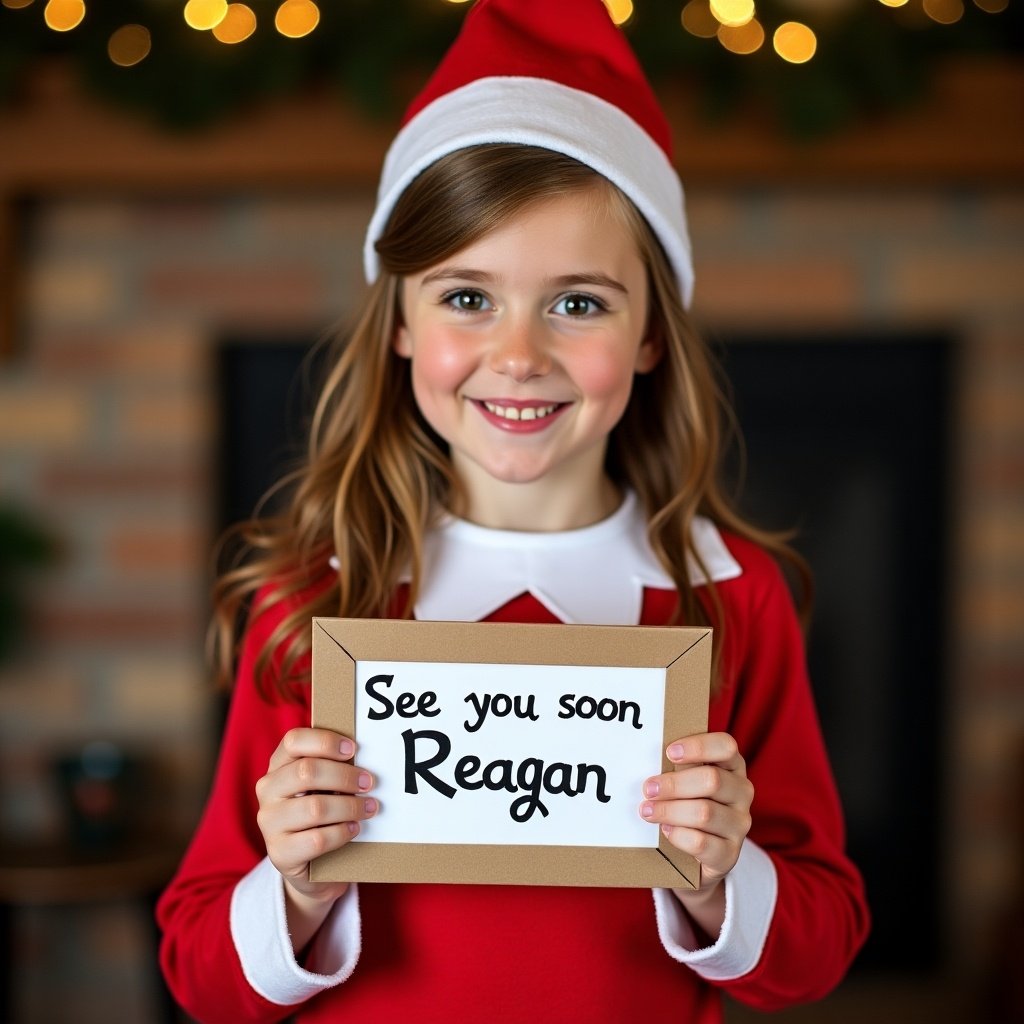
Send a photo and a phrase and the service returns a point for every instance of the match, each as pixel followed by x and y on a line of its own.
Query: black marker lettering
pixel 606 709
pixel 480 707
pixel 422 768
pixel 389 708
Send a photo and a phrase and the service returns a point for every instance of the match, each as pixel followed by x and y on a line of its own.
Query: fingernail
pixel 652 787
pixel 675 752
pixel 370 806
pixel 666 830
pixel 347 748
pixel 353 827
pixel 647 810
pixel 364 781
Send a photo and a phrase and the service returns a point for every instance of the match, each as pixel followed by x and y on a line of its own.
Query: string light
pixel 239 23
pixel 698 20
pixel 64 15
pixel 129 44
pixel 742 39
pixel 202 15
pixel 297 18
pixel 945 12
pixel 733 13
pixel 794 42
pixel 620 10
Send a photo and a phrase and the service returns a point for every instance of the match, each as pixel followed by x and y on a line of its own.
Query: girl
pixel 522 427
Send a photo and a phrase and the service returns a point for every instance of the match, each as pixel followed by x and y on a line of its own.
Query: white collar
pixel 593 575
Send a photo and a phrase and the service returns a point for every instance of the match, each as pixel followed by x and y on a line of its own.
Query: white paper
pixel 621 742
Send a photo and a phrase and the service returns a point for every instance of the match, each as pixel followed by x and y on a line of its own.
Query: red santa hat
pixel 557 74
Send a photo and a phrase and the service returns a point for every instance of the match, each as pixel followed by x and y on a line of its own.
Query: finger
pixel 707 748
pixel 313 775
pixel 704 781
pixel 314 810
pixel 324 743
pixel 704 815
pixel 717 856
pixel 291 853
pixel 317 775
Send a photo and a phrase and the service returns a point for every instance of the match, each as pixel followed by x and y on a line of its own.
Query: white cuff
pixel 260 932
pixel 750 891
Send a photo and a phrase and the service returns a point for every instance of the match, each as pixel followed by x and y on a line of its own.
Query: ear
pixel 402 341
pixel 652 348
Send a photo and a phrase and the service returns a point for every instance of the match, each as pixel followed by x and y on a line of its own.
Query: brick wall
pixel 106 431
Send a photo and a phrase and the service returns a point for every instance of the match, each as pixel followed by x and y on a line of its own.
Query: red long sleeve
pixel 198 955
pixel 820 918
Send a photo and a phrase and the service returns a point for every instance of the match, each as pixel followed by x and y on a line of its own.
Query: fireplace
pixel 109 413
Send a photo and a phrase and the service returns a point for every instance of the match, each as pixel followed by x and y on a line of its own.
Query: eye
pixel 466 300
pixel 578 305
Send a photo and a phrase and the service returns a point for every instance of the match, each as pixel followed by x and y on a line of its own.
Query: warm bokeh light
pixel 129 44
pixel 893 3
pixel 620 10
pixel 238 24
pixel 794 42
pixel 297 18
pixel 945 12
pixel 698 20
pixel 64 15
pixel 15 5
pixel 747 38
pixel 203 15
pixel 992 6
pixel 733 12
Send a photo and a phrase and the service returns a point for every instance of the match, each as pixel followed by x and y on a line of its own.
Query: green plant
pixel 24 547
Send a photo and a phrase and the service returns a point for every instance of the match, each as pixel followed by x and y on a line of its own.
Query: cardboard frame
pixel 685 653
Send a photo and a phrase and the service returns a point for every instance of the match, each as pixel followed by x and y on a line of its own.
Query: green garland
pixel 870 58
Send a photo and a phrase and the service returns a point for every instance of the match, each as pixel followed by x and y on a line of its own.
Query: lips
pixel 519 416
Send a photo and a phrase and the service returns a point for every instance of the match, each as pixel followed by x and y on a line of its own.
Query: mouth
pixel 521 412
pixel 509 414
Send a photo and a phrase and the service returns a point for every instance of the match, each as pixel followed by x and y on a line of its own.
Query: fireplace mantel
pixel 58 140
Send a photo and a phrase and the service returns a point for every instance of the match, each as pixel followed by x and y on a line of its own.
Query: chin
pixel 512 473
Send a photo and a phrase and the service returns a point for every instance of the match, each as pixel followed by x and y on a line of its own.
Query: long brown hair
pixel 375 476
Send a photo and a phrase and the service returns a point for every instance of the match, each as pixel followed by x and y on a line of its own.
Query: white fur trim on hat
pixel 539 112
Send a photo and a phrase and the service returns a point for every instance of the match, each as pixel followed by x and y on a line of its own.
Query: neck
pixel 540 506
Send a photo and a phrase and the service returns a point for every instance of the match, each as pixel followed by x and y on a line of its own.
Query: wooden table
pixel 59 874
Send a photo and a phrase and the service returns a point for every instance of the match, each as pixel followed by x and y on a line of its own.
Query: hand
pixel 703 808
pixel 311 802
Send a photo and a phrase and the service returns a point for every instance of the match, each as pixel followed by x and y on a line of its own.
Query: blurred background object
pixel 200 63
pixel 25 546
pixel 181 218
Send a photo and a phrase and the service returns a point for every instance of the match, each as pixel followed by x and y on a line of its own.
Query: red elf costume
pixel 559 75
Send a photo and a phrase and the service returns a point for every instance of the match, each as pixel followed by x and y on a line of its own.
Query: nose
pixel 520 350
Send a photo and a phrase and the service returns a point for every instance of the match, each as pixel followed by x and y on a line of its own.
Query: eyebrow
pixel 563 281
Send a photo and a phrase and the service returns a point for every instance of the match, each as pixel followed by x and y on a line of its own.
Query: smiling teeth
pixel 510 412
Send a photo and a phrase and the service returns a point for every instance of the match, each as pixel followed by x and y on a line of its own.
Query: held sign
pixel 509 753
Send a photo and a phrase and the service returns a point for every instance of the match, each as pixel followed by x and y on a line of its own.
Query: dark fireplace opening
pixel 847 442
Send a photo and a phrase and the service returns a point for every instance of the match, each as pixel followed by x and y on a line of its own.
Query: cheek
pixel 605 375
pixel 440 367
pixel 439 363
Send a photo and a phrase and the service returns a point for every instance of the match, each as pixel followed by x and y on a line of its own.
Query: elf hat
pixel 557 74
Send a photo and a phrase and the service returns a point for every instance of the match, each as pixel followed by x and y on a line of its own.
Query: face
pixel 523 349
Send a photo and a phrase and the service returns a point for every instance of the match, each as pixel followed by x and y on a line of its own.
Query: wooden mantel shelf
pixel 59 140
